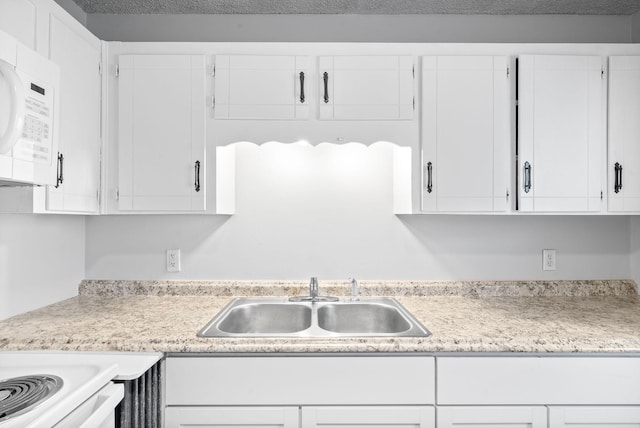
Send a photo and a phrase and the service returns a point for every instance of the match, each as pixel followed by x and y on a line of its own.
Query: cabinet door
pixel 383 417
pixel 560 133
pixel 465 133
pixel 365 87
pixel 594 417
pixel 227 417
pixel 18 18
pixel 262 87
pixel 79 135
pixel 492 417
pixel 623 168
pixel 161 145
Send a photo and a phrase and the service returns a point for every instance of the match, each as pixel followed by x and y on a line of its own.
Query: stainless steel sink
pixel 369 318
pixel 277 317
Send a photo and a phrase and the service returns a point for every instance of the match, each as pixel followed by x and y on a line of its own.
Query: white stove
pixel 75 390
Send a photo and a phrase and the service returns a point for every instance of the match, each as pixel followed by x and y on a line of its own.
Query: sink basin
pixel 277 317
pixel 360 318
pixel 256 318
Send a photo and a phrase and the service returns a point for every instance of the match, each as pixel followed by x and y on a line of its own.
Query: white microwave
pixel 29 96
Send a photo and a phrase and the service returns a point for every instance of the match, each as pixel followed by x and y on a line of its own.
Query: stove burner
pixel 18 395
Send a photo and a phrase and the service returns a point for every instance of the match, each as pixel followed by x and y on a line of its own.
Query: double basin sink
pixel 278 317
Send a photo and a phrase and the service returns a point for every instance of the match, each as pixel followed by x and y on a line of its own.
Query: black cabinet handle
pixel 60 173
pixel 302 87
pixel 197 181
pixel 325 78
pixel 618 178
pixel 527 177
pixel 429 177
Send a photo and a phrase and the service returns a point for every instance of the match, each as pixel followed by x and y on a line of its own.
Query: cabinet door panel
pixel 465 133
pixel 594 417
pixel 161 132
pixel 624 133
pixel 560 132
pixel 79 133
pixel 232 417
pixel 18 18
pixel 365 87
pixel 383 417
pixel 492 417
pixel 262 87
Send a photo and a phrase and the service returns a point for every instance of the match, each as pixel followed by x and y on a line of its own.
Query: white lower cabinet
pixel 304 417
pixel 257 417
pixel 594 417
pixel 492 417
pixel 301 392
pixel 386 417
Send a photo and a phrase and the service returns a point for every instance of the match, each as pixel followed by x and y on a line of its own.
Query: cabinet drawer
pixel 538 380
pixel 300 380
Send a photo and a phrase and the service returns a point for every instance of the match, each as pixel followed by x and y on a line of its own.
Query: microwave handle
pixel 16 109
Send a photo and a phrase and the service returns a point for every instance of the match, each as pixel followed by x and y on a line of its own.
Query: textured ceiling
pixel 364 7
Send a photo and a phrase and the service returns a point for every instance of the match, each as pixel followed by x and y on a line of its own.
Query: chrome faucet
pixel 313 294
pixel 313 288
pixel 354 290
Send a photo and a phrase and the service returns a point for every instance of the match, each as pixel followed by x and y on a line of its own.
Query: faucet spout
pixel 354 290
pixel 313 288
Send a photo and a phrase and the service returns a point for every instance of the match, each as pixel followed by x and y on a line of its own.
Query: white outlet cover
pixel 548 259
pixel 173 260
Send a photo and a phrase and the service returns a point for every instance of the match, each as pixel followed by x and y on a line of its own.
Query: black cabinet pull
pixel 60 172
pixel 527 177
pixel 325 78
pixel 429 177
pixel 302 87
pixel 618 178
pixel 197 181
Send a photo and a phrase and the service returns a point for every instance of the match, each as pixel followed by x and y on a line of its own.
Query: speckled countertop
pixel 537 316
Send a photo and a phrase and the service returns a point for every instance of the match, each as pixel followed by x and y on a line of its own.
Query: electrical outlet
pixel 548 259
pixel 173 260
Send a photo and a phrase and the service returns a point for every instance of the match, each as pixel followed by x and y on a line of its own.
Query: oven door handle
pixel 107 400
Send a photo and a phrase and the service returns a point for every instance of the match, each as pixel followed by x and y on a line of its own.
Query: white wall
pixel 41 260
pixel 362 28
pixel 327 211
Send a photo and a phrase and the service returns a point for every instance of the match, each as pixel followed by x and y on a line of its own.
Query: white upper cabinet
pixel 46 27
pixel 161 133
pixel 18 18
pixel 560 133
pixel 79 137
pixel 262 87
pixel 366 87
pixel 465 133
pixel 623 166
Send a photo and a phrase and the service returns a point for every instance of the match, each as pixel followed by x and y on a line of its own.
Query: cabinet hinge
pixel 100 68
pixel 213 102
pixel 601 195
pixel 414 102
pixel 507 194
pixel 117 70
pixel 117 193
pixel 213 70
pixel 413 71
pixel 602 73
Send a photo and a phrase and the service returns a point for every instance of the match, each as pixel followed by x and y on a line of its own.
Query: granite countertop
pixel 535 316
